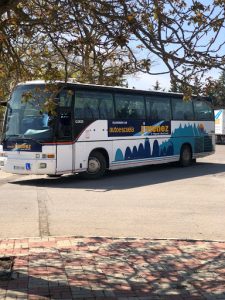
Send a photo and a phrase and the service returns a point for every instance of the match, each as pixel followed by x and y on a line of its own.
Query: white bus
pixel 98 128
pixel 220 125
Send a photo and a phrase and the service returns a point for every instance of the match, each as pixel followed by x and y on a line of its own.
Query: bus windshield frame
pixel 26 117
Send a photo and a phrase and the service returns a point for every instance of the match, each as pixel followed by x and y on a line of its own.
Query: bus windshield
pixel 25 117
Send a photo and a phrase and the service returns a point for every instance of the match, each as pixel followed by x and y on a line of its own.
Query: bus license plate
pixel 19 168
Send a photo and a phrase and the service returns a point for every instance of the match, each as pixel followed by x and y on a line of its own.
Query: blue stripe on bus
pixel 218 114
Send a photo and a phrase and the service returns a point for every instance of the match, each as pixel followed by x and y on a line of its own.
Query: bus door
pixel 64 136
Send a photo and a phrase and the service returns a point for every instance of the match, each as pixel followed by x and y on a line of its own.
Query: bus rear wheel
pixel 96 166
pixel 185 156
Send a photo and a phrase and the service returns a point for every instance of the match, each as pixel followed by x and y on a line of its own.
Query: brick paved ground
pixel 104 268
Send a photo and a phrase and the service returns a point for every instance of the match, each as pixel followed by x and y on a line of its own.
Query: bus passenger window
pixel 105 106
pixel 93 105
pixel 182 110
pixel 65 98
pixel 203 111
pixel 130 106
pixel 158 109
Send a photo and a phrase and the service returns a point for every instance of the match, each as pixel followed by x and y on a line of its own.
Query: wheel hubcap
pixel 186 155
pixel 93 165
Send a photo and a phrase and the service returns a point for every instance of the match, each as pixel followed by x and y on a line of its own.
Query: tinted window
pixel 25 116
pixel 203 111
pixel 65 116
pixel 182 110
pixel 130 106
pixel 65 98
pixel 158 108
pixel 93 105
pixel 64 124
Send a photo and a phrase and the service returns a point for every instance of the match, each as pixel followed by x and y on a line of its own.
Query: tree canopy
pixel 102 40
pixel 215 88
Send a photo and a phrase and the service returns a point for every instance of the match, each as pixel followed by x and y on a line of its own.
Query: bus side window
pixel 85 107
pixel 182 110
pixel 203 111
pixel 130 106
pixel 93 105
pixel 65 98
pixel 158 109
pixel 106 106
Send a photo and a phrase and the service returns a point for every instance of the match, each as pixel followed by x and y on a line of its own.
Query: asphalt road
pixel 156 202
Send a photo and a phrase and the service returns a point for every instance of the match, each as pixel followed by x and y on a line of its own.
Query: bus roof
pixel 72 82
pixel 76 83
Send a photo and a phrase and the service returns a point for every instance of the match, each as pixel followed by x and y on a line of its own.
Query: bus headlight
pixel 42 165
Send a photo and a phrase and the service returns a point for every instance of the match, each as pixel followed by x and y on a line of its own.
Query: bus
pixel 98 128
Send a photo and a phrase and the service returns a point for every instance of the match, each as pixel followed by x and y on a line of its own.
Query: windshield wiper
pixel 6 138
pixel 30 139
pixel 19 136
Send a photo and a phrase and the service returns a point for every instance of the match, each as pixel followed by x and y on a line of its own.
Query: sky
pixel 146 82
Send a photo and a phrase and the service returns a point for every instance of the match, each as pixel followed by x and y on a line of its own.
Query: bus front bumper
pixel 2 162
pixel 26 167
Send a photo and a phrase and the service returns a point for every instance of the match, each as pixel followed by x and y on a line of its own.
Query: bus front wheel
pixel 185 156
pixel 96 166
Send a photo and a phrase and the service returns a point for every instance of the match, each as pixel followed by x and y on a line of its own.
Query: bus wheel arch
pixel 104 152
pixel 98 162
pixel 186 155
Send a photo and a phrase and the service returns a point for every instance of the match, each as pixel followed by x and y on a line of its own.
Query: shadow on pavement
pixel 101 268
pixel 129 178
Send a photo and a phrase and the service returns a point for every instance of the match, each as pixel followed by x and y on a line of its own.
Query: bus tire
pixel 96 166
pixel 185 156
